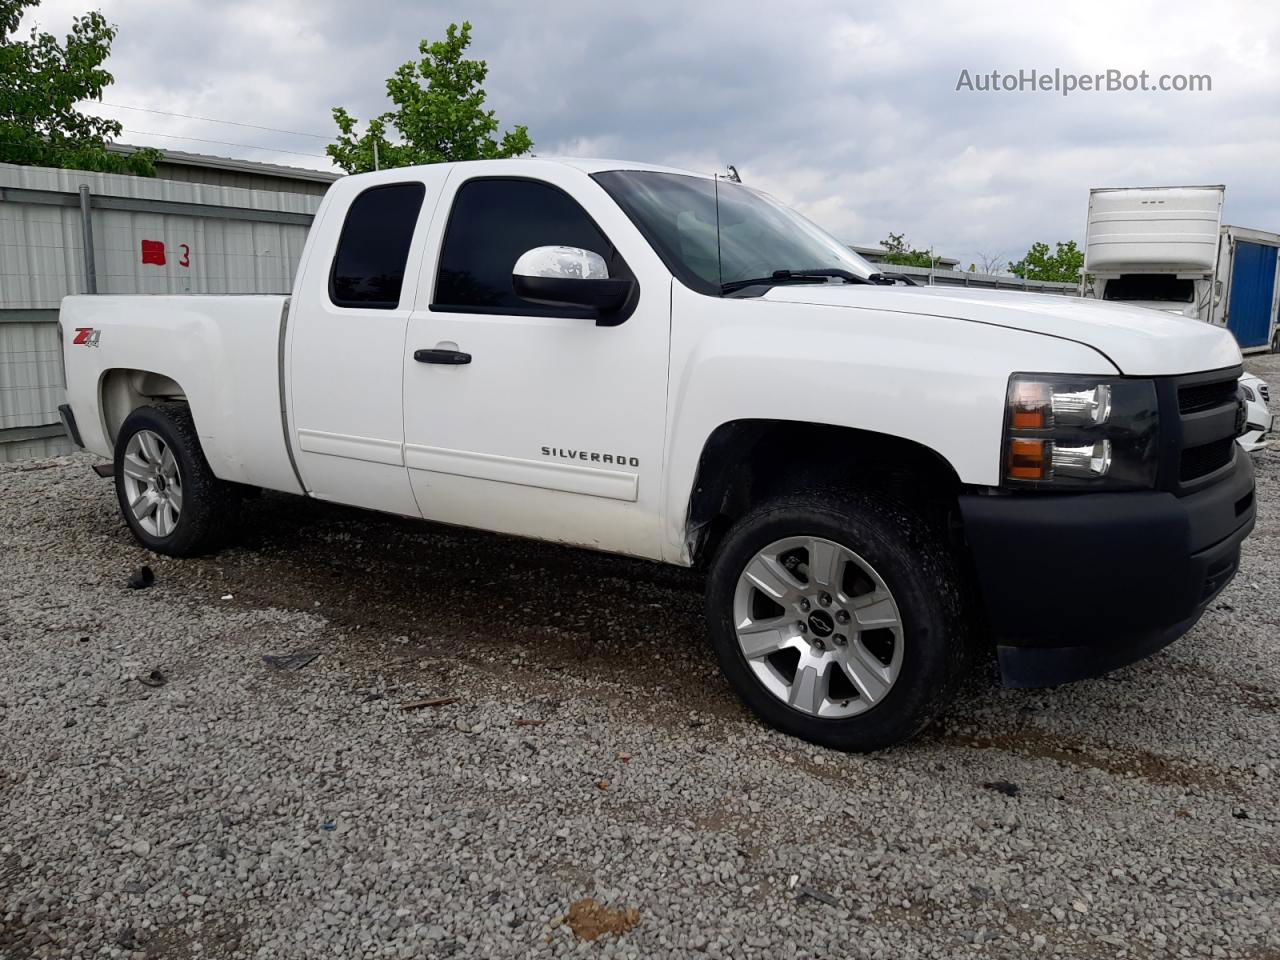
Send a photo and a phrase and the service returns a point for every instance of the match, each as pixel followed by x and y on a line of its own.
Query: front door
pixel 530 419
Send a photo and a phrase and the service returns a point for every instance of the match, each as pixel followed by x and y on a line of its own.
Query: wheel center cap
pixel 821 624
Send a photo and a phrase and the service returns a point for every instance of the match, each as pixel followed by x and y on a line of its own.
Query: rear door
pixel 554 426
pixel 346 333
pixel 1253 285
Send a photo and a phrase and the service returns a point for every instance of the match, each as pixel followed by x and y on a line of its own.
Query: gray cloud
pixel 848 112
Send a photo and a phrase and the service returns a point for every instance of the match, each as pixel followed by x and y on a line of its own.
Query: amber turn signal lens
pixel 1028 459
pixel 1030 405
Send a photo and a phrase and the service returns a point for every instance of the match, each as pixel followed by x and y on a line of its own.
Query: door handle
pixel 441 356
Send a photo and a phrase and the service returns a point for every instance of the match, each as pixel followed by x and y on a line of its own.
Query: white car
pixel 1258 417
pixel 661 364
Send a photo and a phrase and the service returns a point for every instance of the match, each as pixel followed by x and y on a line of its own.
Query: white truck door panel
pixel 346 341
pixel 554 427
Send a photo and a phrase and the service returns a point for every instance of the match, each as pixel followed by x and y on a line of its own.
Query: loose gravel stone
pixel 242 811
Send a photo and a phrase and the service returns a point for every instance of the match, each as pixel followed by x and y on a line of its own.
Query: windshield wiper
pixel 794 276
pixel 889 279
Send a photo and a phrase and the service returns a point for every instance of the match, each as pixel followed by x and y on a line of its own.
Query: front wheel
pixel 168 494
pixel 838 619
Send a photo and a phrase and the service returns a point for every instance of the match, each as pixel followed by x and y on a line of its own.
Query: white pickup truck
pixel 649 362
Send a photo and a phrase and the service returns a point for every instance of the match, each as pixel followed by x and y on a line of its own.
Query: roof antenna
pixel 732 174
pixel 719 262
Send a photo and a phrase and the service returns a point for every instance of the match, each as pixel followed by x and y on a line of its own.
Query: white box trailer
pixel 1154 246
pixel 1133 227
pixel 1166 248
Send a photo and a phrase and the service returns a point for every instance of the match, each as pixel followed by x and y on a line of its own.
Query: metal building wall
pixel 31 384
pixel 187 173
pixel 216 239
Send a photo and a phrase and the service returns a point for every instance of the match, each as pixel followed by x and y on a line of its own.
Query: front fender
pixel 936 381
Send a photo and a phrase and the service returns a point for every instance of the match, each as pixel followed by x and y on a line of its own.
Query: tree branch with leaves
pixel 1062 265
pixel 439 114
pixel 42 80
pixel 900 252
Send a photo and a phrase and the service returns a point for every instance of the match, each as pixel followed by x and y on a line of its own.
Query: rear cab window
pixel 373 248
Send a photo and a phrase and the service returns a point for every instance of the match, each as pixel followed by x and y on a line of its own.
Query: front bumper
pixel 1075 586
pixel 1257 431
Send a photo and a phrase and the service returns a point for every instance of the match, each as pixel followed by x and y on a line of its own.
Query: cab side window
pixel 492 223
pixel 368 266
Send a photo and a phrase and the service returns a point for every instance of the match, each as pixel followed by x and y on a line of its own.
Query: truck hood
pixel 1138 341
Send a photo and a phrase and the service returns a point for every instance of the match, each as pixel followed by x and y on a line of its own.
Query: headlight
pixel 1080 432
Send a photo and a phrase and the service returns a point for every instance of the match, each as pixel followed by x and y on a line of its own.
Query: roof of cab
pixel 585 164
pixel 594 165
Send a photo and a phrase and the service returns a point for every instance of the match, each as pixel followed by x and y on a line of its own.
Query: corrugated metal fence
pixel 148 236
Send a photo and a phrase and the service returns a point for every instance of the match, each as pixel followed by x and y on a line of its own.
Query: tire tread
pixel 887 521
pixel 209 504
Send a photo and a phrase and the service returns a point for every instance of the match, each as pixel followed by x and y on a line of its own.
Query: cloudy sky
pixel 848 111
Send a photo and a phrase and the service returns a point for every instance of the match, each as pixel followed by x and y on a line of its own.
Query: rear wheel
pixel 168 495
pixel 838 619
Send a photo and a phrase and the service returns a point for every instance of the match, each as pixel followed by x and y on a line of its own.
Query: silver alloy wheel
pixel 819 627
pixel 152 483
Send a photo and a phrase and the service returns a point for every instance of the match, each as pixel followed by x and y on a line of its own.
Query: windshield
pixel 757 235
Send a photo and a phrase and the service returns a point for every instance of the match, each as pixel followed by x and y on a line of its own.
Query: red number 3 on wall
pixel 186 256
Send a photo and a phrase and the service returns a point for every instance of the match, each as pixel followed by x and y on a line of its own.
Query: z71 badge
pixel 87 337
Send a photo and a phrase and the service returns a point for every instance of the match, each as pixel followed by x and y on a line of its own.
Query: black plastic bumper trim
pixel 1074 586
pixel 1024 667
pixel 69 423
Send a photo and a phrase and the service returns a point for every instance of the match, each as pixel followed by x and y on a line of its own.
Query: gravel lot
pixel 594 789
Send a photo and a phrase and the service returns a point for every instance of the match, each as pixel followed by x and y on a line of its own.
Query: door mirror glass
pixel 570 277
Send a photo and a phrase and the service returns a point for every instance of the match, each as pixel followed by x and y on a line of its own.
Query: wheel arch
pixel 121 390
pixel 745 461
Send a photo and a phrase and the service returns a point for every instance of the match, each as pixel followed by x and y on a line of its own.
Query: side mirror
pixel 569 277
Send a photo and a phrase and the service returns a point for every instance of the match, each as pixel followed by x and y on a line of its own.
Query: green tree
pixel 439 114
pixel 900 252
pixel 42 80
pixel 1063 264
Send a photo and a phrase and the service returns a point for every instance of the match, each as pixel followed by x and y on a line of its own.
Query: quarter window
pixel 492 223
pixel 368 267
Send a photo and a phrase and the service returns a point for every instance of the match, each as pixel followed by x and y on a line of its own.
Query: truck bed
pixel 223 353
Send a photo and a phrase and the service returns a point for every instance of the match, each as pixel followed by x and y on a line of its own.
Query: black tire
pixel 208 504
pixel 911 556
